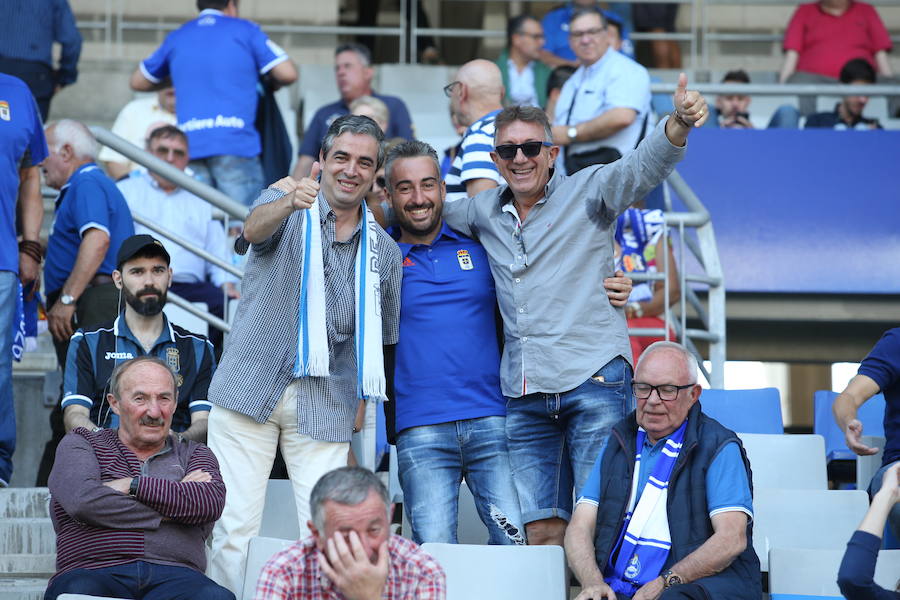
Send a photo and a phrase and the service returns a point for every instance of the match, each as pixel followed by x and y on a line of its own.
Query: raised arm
pixel 297 195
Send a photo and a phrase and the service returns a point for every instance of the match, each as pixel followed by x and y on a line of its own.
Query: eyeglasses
pixel 448 89
pixel 591 32
pixel 529 149
pixel 665 392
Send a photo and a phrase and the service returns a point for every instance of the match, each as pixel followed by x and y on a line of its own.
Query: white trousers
pixel 246 450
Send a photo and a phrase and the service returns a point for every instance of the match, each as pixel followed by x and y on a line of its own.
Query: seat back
pixel 786 461
pixel 822 519
pixel 745 411
pixel 813 572
pixel 502 572
pixel 279 519
pixel 870 414
pixel 259 552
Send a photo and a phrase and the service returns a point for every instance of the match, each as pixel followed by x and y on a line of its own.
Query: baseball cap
pixel 140 244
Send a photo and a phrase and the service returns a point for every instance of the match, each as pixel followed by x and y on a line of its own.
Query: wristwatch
pixel 67 299
pixel 572 132
pixel 671 579
pixel 133 488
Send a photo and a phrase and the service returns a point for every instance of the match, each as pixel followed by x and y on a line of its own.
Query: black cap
pixel 140 244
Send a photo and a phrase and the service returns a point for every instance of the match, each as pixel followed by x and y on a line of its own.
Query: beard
pixel 148 306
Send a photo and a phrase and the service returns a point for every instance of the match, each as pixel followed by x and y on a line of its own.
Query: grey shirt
pixel 558 323
pixel 258 361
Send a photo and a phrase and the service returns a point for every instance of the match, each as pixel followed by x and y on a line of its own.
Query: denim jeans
pixel 238 177
pixel 433 459
pixel 554 439
pixel 893 520
pixel 139 580
pixel 9 287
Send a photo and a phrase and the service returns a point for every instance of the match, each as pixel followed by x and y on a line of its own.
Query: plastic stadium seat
pixel 867 466
pixel 823 519
pixel 745 411
pixel 279 519
pixel 502 572
pixel 258 554
pixel 779 461
pixel 812 573
pixel 871 414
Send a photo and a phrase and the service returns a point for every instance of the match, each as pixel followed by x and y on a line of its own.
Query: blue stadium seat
pixel 745 411
pixel 871 414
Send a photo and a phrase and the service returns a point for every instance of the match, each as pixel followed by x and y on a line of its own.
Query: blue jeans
pixel 433 459
pixel 139 580
pixel 238 177
pixel 554 439
pixel 893 520
pixel 785 116
pixel 9 287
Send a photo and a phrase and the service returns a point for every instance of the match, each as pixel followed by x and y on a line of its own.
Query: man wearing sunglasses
pixel 565 367
pixel 682 483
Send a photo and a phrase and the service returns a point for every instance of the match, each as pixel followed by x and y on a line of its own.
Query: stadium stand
pixel 745 411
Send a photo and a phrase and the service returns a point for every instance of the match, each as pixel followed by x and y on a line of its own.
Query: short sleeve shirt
pixel 882 365
pixel 825 43
pixel 727 487
pixel 89 200
pixel 399 123
pixel 473 159
pixel 22 144
pixel 215 62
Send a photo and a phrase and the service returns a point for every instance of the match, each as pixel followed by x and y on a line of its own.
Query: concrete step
pixel 22 588
pixel 29 503
pixel 26 536
pixel 28 565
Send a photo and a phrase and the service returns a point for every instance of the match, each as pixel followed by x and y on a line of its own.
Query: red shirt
pixel 294 574
pixel 826 42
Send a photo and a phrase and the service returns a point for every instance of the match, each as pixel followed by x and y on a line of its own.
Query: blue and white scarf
pixel 644 541
pixel 312 337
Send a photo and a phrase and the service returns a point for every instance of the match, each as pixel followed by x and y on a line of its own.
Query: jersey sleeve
pixel 590 493
pixel 793 35
pixel 476 159
pixel 882 364
pixel 89 207
pixel 727 486
pixel 155 68
pixel 206 367
pixel 879 37
pixel 78 378
pixel 266 53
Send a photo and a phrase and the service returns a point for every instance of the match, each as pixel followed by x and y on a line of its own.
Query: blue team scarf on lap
pixel 644 541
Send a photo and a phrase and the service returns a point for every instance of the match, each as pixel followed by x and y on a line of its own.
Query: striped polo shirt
pixel 473 158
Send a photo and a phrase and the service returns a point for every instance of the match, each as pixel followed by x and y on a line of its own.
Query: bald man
pixel 476 96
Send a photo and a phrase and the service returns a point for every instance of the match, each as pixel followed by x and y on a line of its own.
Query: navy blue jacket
pixel 689 522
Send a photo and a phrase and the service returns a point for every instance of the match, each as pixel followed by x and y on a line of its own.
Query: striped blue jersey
pixel 473 158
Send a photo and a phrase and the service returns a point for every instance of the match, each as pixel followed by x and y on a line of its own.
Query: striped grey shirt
pixel 258 360
pixel 558 323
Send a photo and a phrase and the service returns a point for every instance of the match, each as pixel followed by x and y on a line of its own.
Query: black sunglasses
pixel 529 149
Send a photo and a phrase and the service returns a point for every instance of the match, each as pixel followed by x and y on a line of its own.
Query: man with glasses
pixel 549 239
pixel 603 110
pixel 476 96
pixel 666 511
pixel 524 75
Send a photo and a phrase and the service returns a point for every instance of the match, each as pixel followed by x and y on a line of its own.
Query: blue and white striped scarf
pixel 644 541
pixel 312 337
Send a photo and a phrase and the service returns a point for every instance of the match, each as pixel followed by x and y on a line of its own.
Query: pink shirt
pixel 826 43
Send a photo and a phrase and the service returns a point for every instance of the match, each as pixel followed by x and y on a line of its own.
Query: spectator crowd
pixel 453 292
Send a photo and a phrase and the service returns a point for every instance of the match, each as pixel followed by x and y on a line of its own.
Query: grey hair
pixel 690 361
pixel 356 124
pixel 115 379
pixel 76 135
pixel 410 149
pixel 348 486
pixel 526 114
pixel 365 55
pixel 580 11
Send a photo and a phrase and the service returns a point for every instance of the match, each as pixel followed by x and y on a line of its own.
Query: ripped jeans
pixel 433 460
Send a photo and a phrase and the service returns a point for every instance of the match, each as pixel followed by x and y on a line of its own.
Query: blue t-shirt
pixel 215 62
pixel 727 487
pixel 89 200
pixel 399 123
pixel 448 357
pixel 22 144
pixel 556 32
pixel 883 366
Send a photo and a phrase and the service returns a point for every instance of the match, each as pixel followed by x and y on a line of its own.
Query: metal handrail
pixel 784 89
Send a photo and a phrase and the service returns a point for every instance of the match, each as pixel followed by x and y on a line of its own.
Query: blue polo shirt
pixel 727 487
pixel 88 200
pixel 556 32
pixel 399 123
pixel 22 145
pixel 882 365
pixel 448 356
pixel 215 62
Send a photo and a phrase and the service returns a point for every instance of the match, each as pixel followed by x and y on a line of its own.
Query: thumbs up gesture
pixel 301 193
pixel 690 106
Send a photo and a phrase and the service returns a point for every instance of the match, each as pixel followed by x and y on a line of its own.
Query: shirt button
pixel 521 310
pixel 518 280
pixel 525 339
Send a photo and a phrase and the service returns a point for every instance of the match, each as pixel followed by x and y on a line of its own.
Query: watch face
pixel 672 579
